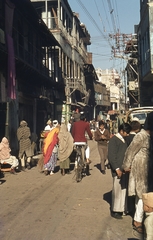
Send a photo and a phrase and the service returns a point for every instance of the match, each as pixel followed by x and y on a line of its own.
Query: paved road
pixel 39 207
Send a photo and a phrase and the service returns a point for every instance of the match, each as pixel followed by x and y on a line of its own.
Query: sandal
pixel 63 172
pixel 46 172
pixel 89 161
pixel 138 229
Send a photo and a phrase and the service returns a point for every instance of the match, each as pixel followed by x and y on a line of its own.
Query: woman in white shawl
pixel 65 148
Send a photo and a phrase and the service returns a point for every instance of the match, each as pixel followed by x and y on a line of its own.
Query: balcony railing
pixel 33 60
pixel 103 102
pixel 51 22
pixel 75 84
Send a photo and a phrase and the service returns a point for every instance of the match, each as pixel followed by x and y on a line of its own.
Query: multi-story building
pixel 73 39
pixel 99 98
pixel 29 87
pixel 145 52
pixel 102 97
pixel 113 84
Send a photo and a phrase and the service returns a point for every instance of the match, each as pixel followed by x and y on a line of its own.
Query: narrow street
pixel 39 207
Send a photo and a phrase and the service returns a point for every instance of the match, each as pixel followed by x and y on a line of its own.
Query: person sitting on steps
pixel 6 157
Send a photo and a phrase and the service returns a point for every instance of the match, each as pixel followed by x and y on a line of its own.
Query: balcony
pixel 75 84
pixel 33 61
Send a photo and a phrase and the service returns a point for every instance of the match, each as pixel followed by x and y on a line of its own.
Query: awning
pixel 81 104
pixel 112 112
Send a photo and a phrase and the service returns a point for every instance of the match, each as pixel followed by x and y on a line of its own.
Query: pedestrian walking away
pixel 48 125
pixel 65 148
pixel 79 129
pixel 25 147
pixel 43 134
pixel 50 149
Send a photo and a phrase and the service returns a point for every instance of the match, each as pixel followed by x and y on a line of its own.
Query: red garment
pixel 79 129
pixel 50 148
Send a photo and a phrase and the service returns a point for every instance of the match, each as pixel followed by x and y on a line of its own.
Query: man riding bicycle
pixel 79 129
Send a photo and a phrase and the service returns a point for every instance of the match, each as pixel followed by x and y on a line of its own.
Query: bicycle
pixel 81 167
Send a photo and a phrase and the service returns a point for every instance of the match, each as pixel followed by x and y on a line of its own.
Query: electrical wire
pixel 106 15
pixel 116 7
pixel 93 21
pixel 99 15
pixel 105 34
pixel 104 28
pixel 112 15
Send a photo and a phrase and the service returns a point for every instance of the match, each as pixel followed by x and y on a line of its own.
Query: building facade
pixel 28 85
pixel 113 84
pixel 145 51
pixel 73 39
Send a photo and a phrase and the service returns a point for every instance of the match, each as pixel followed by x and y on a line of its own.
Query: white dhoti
pixel 118 194
pixel 13 161
pixel 138 216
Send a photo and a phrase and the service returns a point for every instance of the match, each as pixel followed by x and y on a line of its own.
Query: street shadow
pixel 2 181
pixel 57 169
pixel 1 174
pixel 98 166
pixel 71 166
pixel 108 198
pixel 33 164
pixel 72 156
pixel 132 238
pixel 72 160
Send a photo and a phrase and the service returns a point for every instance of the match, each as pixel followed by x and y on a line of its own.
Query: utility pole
pixel 71 86
pixel 125 93
pixel 46 10
pixel 134 85
pixel 125 45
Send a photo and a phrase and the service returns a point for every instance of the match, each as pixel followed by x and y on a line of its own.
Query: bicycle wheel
pixel 78 170
pixel 87 170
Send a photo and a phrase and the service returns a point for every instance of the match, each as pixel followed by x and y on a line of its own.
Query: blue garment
pixel 51 163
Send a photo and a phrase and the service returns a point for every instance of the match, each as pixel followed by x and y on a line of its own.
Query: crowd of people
pixel 127 152
pixel 130 158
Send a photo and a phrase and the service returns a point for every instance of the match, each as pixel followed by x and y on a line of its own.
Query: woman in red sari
pixel 50 149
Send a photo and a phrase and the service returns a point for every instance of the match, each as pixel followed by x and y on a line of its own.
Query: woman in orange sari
pixel 50 149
